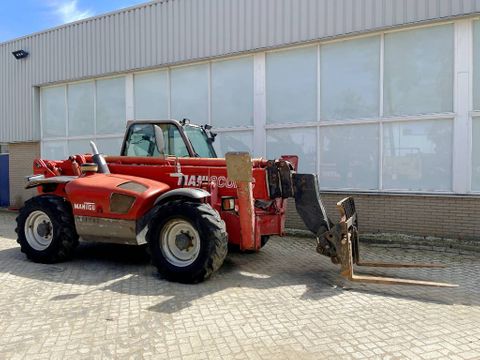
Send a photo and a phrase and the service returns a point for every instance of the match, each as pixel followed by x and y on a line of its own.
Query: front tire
pixel 188 241
pixel 46 229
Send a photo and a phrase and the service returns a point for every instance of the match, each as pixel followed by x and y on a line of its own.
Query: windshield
pixel 202 145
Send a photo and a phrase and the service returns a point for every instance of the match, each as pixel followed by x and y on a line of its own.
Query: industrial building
pixel 380 98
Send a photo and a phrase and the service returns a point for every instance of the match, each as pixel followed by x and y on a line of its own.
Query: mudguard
pixel 193 193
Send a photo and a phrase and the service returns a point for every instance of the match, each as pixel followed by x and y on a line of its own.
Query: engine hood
pixel 113 195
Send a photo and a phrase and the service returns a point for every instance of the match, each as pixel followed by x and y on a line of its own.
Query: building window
pixel 232 92
pixel 291 86
pixel 151 95
pixel 417 155
pixel 294 141
pixel 110 109
pixel 370 113
pixel 81 109
pixel 349 157
pixel 476 154
pixel 93 110
pixel 350 79
pixel 54 111
pixel 476 65
pixel 56 150
pixel 233 141
pixel 189 93
pixel 418 75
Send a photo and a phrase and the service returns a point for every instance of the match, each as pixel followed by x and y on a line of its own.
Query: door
pixel 4 182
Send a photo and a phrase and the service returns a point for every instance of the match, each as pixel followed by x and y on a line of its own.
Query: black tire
pixel 64 236
pixel 213 240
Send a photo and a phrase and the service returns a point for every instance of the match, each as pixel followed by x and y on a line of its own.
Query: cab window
pixel 155 140
pixel 200 142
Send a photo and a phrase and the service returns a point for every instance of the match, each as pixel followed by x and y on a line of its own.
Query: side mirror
pixel 88 168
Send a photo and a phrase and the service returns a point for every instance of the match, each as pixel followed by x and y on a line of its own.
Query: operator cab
pixel 163 138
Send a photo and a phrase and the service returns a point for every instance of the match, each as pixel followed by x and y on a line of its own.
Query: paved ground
pixel 286 302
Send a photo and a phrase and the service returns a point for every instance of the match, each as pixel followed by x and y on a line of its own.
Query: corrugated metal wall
pixel 172 31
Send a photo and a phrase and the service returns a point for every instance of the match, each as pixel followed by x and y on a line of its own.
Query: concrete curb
pixel 403 241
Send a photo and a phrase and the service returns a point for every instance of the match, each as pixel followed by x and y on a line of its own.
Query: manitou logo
pixel 198 180
pixel 85 206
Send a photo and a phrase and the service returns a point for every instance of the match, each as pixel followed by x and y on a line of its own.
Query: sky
pixel 23 17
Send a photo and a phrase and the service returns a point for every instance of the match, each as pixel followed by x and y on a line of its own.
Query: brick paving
pixel 286 302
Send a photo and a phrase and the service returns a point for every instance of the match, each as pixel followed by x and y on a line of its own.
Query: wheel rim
pixel 39 230
pixel 179 242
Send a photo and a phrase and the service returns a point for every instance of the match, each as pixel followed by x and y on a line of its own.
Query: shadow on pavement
pixel 127 269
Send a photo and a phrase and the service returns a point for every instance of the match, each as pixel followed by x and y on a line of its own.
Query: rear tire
pixel 46 229
pixel 188 241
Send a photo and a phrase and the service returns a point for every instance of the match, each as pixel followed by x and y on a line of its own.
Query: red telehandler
pixel 169 190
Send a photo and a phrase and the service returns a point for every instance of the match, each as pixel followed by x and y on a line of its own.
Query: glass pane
pixel 79 147
pixel 300 142
pixel 292 86
pixel 54 150
pixel 189 91
pixel 142 141
pixel 109 146
pixel 350 75
pixel 476 155
pixel 111 118
pixel 81 115
pixel 54 112
pixel 232 92
pixel 151 95
pixel 201 144
pixel 476 65
pixel 233 141
pixel 155 140
pixel 418 155
pixel 419 71
pixel 349 157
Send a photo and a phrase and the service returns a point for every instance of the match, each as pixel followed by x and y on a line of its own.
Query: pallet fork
pixel 341 241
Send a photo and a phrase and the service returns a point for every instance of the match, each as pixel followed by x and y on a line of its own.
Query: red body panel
pixel 197 172
pixel 97 189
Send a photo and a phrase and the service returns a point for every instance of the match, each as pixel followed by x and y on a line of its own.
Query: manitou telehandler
pixel 169 190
